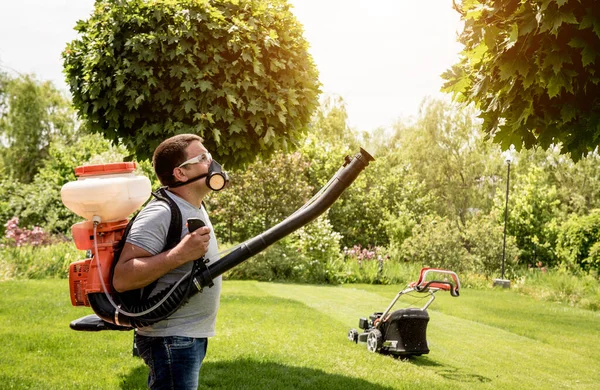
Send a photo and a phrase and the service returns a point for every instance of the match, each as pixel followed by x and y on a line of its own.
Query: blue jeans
pixel 174 361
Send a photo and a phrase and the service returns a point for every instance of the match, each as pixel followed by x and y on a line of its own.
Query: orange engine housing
pixel 84 277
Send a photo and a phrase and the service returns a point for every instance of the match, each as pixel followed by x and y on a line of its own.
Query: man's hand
pixel 192 246
pixel 137 268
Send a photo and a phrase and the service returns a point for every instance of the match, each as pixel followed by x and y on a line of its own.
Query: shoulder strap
pixel 174 233
pixel 173 238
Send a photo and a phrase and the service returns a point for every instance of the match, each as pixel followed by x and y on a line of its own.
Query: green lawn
pixel 288 336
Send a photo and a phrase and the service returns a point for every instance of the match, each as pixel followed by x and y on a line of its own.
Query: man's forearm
pixel 140 271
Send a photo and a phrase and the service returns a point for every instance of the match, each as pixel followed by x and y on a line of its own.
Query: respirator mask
pixel 216 178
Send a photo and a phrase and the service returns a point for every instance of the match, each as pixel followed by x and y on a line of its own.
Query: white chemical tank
pixel 109 191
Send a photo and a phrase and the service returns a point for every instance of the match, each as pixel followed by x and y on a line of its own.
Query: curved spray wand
pixel 151 311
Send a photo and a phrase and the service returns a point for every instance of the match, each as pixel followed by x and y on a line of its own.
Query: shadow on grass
pixel 449 372
pixel 421 361
pixel 252 374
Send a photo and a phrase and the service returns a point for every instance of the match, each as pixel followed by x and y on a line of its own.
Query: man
pixel 173 348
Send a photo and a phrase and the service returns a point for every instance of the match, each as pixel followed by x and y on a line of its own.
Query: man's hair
pixel 170 154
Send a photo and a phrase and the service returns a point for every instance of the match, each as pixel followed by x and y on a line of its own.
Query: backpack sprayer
pixel 106 194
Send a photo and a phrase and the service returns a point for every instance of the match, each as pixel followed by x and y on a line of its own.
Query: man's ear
pixel 180 175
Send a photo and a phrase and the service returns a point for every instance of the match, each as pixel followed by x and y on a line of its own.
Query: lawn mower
pixel 403 332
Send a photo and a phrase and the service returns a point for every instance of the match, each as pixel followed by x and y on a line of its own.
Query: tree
pixel 577 183
pixel 578 243
pixel 531 68
pixel 445 152
pixel 329 140
pixel 532 216
pixel 235 72
pixel 32 114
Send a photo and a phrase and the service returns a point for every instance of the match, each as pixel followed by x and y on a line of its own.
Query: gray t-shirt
pixel 198 316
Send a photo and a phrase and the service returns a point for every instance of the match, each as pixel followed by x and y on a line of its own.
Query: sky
pixel 382 57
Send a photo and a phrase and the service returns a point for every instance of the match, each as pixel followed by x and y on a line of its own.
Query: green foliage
pixel 38 262
pixel 533 209
pixel 577 184
pixel 32 115
pixel 359 213
pixel 329 127
pixel 531 68
pixel 279 262
pixel 8 189
pixel 560 285
pixel 475 249
pixel 260 196
pixel 319 248
pixel 237 73
pixel 309 255
pixel 399 225
pixel 39 203
pixel 444 153
pixel 367 265
pixel 436 242
pixel 578 242
pixel 329 140
pixel 484 240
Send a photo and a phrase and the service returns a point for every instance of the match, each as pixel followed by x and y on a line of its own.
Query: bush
pixel 363 265
pixel 18 237
pixel 560 285
pixel 279 262
pixel 309 255
pixel 260 197
pixel 38 262
pixel 484 241
pixel 578 242
pixel 39 203
pixel 319 249
pixel 435 242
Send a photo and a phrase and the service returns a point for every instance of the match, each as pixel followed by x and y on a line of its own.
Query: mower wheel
pixel 374 340
pixel 353 335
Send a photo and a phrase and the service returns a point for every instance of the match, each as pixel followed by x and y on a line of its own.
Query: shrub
pixel 435 242
pixel 19 237
pixel 560 285
pixel 260 197
pixel 309 255
pixel 577 243
pixel 533 209
pixel 39 203
pixel 279 262
pixel 319 248
pixel 38 262
pixel 484 241
pixel 33 254
pixel 363 265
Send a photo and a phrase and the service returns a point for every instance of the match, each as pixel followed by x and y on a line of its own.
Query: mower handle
pixel 422 284
pixel 437 284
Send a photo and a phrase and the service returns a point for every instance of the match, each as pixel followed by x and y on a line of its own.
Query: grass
pixel 290 336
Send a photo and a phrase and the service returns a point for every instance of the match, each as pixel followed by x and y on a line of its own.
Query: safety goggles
pixel 203 158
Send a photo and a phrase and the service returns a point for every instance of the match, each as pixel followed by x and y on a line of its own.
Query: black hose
pixel 203 276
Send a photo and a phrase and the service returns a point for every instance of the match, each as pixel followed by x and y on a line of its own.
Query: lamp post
pixel 505 215
pixel 504 282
